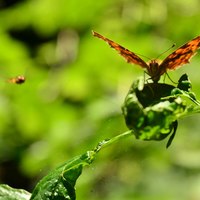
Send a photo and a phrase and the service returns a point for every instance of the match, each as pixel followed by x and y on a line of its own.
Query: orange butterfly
pixel 17 80
pixel 155 69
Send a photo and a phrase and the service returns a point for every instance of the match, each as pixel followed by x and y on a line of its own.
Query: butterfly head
pixel 154 70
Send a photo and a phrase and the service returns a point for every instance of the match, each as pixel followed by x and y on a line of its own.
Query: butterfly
pixel 17 80
pixel 154 68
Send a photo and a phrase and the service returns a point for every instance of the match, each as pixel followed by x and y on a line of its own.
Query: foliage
pixel 8 193
pixel 74 89
pixel 152 109
pixel 155 122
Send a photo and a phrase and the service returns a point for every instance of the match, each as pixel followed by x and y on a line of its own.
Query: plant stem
pixel 108 142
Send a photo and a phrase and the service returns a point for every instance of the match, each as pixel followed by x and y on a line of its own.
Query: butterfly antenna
pixel 166 51
pixel 158 55
pixel 142 56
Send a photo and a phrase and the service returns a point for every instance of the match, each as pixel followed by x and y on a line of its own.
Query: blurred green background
pixel 75 88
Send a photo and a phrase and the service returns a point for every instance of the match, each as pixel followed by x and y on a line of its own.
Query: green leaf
pixel 151 110
pixel 59 184
pixel 8 193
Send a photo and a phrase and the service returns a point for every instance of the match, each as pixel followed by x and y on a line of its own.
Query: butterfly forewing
pixel 155 69
pixel 182 55
pixel 127 54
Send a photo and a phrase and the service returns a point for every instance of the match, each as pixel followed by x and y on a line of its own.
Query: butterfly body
pixel 154 68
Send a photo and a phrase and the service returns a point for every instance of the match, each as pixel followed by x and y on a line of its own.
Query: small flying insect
pixel 17 80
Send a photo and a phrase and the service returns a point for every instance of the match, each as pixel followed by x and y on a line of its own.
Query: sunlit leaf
pixel 59 184
pixel 152 110
pixel 8 193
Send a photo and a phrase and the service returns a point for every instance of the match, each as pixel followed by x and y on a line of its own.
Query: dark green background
pixel 75 88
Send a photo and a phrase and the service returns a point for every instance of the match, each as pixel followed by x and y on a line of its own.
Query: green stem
pixel 108 142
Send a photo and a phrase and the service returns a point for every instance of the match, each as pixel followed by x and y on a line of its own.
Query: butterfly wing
pixel 128 55
pixel 180 56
